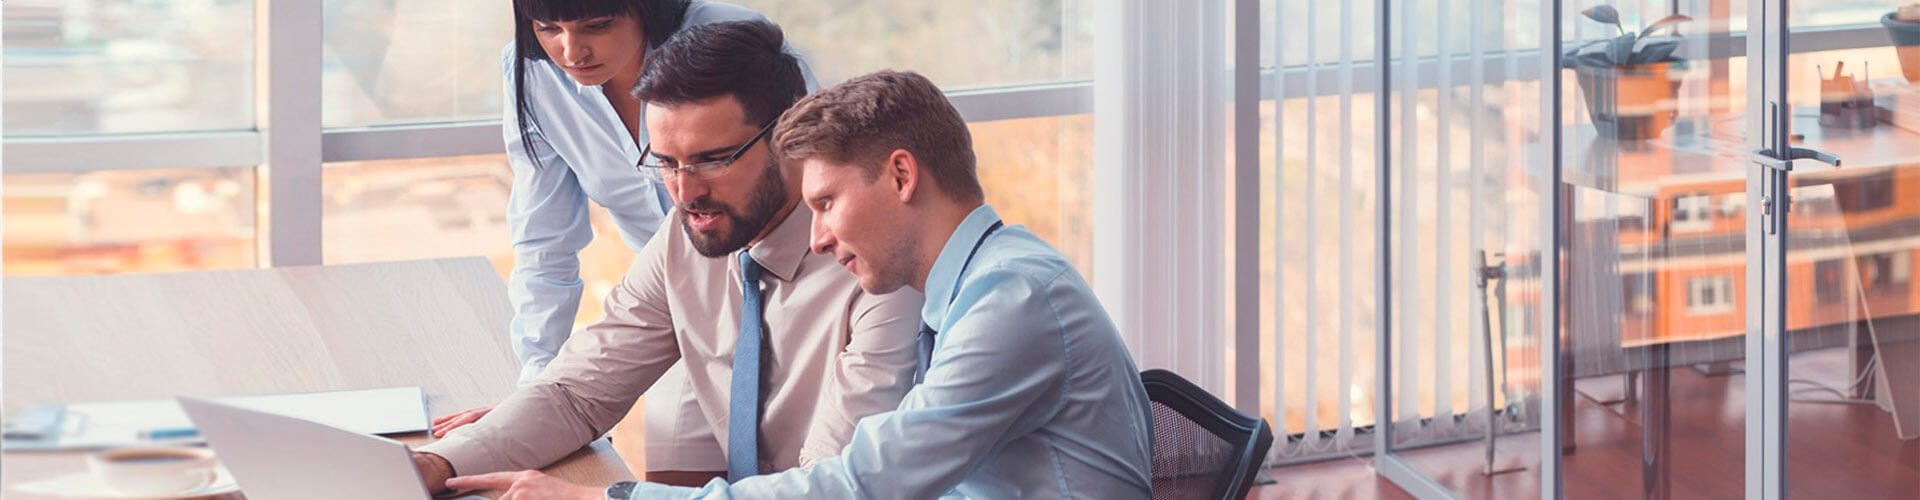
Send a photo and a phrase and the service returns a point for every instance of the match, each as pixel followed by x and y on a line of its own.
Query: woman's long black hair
pixel 659 18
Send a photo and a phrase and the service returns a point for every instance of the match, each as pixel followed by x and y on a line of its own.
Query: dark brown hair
pixel 743 59
pixel 865 119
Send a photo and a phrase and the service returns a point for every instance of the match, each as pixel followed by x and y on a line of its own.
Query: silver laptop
pixel 275 457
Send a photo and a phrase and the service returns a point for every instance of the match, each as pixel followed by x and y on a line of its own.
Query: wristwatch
pixel 621 490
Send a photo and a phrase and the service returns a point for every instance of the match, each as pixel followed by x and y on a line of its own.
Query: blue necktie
pixel 924 356
pixel 743 408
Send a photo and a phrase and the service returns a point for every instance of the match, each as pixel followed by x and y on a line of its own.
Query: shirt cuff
pixel 467 456
pixel 530 372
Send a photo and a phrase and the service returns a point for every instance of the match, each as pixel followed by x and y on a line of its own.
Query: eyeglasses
pixel 706 170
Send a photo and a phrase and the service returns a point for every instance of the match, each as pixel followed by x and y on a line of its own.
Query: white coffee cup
pixel 154 471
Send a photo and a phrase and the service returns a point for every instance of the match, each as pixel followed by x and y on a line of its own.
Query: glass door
pixel 1653 168
pixel 1839 338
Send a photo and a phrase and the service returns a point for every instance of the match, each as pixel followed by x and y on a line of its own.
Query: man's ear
pixel 904 171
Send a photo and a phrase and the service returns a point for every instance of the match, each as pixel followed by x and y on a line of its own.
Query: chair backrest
pixel 1202 448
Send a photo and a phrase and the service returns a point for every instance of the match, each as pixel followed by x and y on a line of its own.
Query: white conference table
pixel 439 324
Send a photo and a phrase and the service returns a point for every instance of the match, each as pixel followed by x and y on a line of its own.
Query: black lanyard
pixel 970 262
pixel 925 352
pixel 963 265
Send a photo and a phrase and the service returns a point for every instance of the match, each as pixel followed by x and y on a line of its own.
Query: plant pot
pixel 1906 42
pixel 1629 102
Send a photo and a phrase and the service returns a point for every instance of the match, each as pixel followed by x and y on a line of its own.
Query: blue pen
pixel 177 433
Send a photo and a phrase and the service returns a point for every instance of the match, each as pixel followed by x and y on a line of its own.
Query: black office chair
pixel 1202 448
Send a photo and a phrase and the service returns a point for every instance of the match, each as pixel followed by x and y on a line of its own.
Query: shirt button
pixel 766 467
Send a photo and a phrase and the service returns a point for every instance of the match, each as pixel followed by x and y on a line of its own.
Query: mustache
pixel 706 204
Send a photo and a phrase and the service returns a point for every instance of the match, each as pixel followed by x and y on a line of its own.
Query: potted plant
pixel 1903 26
pixel 1624 79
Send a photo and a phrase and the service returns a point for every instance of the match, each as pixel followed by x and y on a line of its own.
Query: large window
pixel 959 45
pixel 127 66
pixel 416 209
pixel 410 98
pixel 447 207
pixel 128 221
pixel 409 61
pixel 1039 172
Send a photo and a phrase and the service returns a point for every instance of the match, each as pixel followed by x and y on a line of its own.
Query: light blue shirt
pixel 581 152
pixel 1031 394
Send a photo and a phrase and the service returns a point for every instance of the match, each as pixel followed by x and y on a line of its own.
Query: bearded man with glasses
pixel 716 227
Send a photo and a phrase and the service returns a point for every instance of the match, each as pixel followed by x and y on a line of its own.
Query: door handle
pixel 1767 158
pixel 1780 166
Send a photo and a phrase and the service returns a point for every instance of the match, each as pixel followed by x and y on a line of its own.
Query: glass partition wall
pixel 1724 304
pixel 1652 181
pixel 1725 307
pixel 1400 245
pixel 1464 386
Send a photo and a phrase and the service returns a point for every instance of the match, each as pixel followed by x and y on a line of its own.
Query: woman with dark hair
pixel 573 133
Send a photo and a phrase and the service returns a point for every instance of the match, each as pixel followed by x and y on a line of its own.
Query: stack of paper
pixel 1899 103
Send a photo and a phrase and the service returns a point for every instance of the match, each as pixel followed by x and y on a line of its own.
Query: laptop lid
pixel 275 457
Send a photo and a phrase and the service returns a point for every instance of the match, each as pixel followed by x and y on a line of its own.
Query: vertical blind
pixel 1465 116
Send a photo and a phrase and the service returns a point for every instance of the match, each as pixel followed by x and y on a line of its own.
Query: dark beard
pixel 767 197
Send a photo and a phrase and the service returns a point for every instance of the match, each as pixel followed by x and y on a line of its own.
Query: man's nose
pixel 821 240
pixel 686 188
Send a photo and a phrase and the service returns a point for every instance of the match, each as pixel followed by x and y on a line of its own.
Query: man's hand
pixel 527 485
pixel 434 469
pixel 447 423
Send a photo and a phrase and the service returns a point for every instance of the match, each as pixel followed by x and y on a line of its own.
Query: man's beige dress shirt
pixel 833 354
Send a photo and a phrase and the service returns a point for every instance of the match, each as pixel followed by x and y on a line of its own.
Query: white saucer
pixel 85 485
